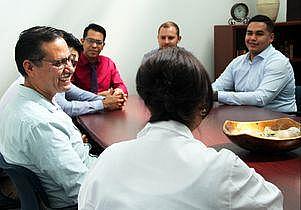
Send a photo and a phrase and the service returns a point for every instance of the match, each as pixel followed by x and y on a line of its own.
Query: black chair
pixel 298 99
pixel 30 191
pixel 8 203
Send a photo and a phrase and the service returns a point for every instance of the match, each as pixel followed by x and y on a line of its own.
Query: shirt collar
pixel 264 54
pixel 36 97
pixel 83 60
pixel 167 126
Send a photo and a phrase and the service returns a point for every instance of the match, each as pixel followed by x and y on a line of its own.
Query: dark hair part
pixel 170 24
pixel 95 27
pixel 72 41
pixel 29 45
pixel 174 86
pixel 264 19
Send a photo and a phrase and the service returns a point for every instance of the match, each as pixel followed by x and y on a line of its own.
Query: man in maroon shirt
pixel 94 72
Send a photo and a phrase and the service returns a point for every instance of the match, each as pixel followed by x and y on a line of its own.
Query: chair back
pixel 29 188
pixel 298 98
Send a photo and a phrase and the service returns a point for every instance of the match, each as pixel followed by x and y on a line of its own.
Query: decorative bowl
pixel 275 135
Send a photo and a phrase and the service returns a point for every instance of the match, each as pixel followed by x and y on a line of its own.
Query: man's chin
pixel 93 54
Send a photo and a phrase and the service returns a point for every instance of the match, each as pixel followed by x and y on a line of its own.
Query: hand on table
pixel 114 101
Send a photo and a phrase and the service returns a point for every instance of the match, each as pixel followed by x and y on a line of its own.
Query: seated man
pixel 168 36
pixel 165 167
pixel 74 101
pixel 77 101
pixel 34 132
pixel 94 72
pixel 263 77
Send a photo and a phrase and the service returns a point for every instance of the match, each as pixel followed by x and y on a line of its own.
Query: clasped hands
pixel 115 99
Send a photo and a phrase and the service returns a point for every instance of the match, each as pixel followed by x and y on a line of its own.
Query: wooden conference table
pixel 284 170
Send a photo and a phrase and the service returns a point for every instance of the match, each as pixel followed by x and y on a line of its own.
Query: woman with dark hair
pixel 175 86
pixel 165 167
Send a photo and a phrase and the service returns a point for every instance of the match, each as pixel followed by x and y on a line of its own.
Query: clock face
pixel 239 12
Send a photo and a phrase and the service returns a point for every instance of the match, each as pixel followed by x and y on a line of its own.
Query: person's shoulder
pixel 104 58
pixel 278 55
pixel 240 58
pixel 22 112
pixel 223 154
pixel 118 152
pixel 150 53
pixel 277 60
pixel 270 53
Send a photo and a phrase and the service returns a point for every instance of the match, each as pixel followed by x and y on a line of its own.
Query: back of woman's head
pixel 174 86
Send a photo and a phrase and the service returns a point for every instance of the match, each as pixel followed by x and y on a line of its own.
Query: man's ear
pixel 28 67
pixel 82 40
pixel 272 37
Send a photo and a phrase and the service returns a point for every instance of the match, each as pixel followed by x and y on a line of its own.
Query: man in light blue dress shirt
pixel 263 77
pixel 34 132
pixel 74 101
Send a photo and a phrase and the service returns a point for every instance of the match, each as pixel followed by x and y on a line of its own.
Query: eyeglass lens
pixel 92 41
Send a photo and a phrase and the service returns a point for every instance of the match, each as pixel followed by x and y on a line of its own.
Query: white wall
pixel 131 27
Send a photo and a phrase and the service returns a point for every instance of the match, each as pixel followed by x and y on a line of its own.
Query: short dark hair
pixel 95 27
pixel 72 41
pixel 29 45
pixel 170 24
pixel 264 19
pixel 174 85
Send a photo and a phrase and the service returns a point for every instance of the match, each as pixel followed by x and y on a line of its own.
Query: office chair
pixel 8 203
pixel 29 188
pixel 298 99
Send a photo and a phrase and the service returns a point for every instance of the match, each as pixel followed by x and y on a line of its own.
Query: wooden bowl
pixel 253 136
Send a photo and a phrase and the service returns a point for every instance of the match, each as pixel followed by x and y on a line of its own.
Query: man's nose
pixel 94 44
pixel 69 67
pixel 166 40
pixel 253 36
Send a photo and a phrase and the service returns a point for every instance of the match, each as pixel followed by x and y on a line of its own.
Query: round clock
pixel 239 12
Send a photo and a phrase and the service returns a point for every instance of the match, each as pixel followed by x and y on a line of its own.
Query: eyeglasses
pixel 74 62
pixel 60 64
pixel 92 41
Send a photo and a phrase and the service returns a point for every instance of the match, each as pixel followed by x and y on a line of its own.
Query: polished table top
pixel 284 170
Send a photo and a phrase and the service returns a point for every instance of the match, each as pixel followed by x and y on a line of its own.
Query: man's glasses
pixel 60 64
pixel 92 41
pixel 74 62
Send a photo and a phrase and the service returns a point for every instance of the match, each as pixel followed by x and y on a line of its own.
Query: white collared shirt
pixel 166 168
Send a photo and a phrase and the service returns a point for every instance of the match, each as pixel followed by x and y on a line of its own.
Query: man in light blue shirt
pixel 36 134
pixel 74 101
pixel 263 77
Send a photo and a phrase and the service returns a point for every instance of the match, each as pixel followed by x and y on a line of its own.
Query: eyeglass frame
pixel 59 64
pixel 92 41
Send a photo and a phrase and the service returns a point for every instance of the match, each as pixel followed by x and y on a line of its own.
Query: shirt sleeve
pixel 77 101
pixel 116 80
pixel 276 76
pixel 248 189
pixel 225 81
pixel 63 160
